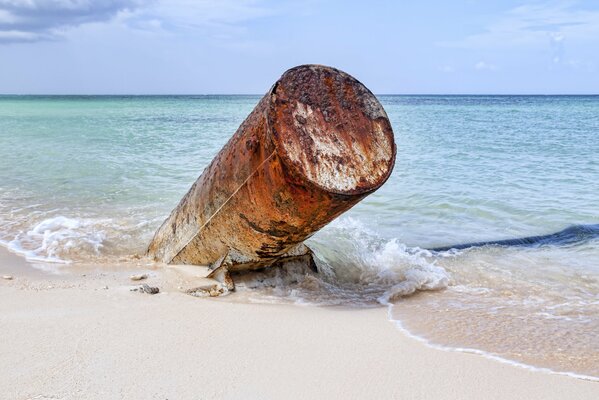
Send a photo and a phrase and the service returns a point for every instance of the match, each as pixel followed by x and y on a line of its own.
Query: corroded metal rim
pixel 329 129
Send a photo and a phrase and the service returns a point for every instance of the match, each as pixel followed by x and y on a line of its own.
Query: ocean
pixel 88 179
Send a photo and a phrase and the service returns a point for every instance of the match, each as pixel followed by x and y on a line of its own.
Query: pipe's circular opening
pixel 331 129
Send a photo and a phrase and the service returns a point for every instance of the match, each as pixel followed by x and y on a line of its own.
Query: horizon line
pixel 256 94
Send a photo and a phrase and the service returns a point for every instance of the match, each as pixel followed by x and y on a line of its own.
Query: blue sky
pixel 227 46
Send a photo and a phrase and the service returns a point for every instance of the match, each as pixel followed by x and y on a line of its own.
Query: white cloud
pixel 221 24
pixel 224 17
pixel 20 36
pixel 484 66
pixel 34 20
pixel 534 24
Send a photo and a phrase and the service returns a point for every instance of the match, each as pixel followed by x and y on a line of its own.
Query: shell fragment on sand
pixel 315 145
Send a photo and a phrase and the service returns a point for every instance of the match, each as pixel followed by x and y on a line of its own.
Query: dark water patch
pixel 576 234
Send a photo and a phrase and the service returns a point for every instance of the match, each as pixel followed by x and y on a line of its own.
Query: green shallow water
pixel 90 178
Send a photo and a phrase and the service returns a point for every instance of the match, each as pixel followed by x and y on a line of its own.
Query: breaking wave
pixel 356 267
pixel 64 240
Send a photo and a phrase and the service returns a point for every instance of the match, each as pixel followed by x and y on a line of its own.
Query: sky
pixel 243 46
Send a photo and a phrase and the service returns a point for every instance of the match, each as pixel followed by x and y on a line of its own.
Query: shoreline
pixel 86 335
pixel 486 354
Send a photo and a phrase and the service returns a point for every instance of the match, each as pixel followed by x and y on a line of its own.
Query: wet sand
pixel 85 335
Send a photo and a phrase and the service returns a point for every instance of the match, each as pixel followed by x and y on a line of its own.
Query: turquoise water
pixel 90 178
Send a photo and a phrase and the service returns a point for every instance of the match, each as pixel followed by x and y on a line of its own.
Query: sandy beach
pixel 257 199
pixel 86 335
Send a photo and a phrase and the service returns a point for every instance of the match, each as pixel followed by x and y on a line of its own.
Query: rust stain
pixel 315 145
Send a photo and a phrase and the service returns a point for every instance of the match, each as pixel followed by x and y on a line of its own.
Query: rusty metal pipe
pixel 315 145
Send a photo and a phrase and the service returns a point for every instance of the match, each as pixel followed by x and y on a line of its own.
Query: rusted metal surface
pixel 315 145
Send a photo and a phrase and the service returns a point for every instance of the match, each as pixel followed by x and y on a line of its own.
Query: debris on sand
pixel 145 288
pixel 214 290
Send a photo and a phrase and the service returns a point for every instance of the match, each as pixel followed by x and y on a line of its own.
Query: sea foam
pixel 356 267
pixel 58 240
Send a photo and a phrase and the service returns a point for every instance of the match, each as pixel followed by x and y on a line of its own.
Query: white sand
pixel 67 337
